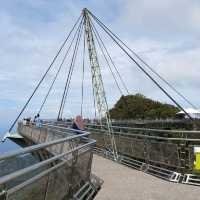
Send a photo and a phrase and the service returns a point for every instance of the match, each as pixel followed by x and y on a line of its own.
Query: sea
pixel 8 145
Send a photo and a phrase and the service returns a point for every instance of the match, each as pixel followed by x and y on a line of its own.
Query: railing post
pixel 191 158
pixel 183 153
pixel 146 150
pixel 47 187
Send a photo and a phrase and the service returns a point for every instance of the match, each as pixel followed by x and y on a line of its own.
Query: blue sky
pixel 165 33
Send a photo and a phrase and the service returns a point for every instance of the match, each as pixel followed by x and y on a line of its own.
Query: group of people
pixel 37 121
pixel 78 122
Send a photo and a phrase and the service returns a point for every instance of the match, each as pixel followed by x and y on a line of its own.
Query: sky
pixel 165 34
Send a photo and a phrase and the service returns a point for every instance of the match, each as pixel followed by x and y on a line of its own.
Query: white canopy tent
pixel 194 113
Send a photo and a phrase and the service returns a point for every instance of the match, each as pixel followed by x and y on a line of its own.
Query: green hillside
pixel 139 107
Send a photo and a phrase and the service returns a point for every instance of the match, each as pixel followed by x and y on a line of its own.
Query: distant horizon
pixel 5 127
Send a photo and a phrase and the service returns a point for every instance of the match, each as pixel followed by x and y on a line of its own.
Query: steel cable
pixel 113 75
pixel 66 89
pixel 147 65
pixel 41 80
pixel 83 75
pixel 103 44
pixel 140 67
pixel 52 84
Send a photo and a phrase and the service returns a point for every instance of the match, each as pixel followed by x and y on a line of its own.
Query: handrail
pixel 26 170
pixel 39 146
pixel 151 136
pixel 148 129
pixel 49 165
pixel 33 179
pixel 145 129
pixel 69 129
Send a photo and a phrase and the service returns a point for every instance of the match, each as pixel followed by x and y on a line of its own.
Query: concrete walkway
pixel 123 183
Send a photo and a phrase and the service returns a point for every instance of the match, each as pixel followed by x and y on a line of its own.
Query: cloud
pixel 165 34
pixel 162 18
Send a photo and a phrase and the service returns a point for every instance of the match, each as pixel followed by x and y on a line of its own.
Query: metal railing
pixel 59 174
pixel 168 154
pixel 170 149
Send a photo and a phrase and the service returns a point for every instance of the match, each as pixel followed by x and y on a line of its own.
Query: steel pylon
pixel 98 86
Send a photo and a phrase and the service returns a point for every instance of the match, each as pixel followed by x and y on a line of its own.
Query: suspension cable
pixel 68 75
pixel 43 77
pixel 145 63
pixel 113 75
pixel 103 44
pixel 70 72
pixel 140 67
pixel 68 87
pixel 83 75
pixel 52 84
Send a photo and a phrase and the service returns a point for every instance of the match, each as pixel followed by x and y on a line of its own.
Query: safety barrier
pixel 168 154
pixel 65 170
pixel 171 149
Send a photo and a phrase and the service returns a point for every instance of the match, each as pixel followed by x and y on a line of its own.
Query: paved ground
pixel 123 183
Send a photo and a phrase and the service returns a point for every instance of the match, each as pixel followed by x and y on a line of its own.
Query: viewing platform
pixel 59 164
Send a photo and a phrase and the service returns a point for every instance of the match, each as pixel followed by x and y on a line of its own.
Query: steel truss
pixel 97 82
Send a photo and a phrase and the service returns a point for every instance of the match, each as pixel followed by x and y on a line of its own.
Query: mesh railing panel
pixel 83 165
pixel 34 191
pixel 59 177
pixel 59 183
pixel 124 145
pixel 164 153
pixel 99 139
pixel 144 148
pixel 138 148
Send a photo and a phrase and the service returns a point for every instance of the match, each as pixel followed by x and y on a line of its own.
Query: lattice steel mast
pixel 99 91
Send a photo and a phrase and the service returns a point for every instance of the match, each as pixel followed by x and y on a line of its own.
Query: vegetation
pixel 139 107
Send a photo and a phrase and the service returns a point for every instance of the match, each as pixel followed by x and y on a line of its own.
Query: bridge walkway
pixel 124 183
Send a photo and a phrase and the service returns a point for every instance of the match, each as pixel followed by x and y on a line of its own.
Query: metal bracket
pixel 191 179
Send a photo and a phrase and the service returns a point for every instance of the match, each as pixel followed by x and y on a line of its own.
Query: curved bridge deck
pixel 124 183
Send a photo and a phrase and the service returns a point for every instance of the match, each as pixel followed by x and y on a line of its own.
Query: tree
pixel 139 107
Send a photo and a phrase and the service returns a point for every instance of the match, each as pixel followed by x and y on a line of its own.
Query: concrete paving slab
pixel 124 183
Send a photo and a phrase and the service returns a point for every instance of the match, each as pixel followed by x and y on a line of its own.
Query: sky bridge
pixel 99 160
